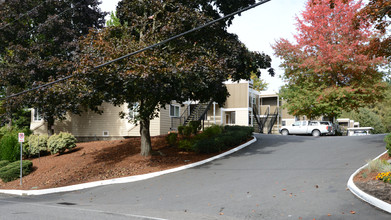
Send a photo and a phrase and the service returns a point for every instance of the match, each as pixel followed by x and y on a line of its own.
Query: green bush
pixel 187 130
pixel 247 129
pixel 12 171
pixel 9 147
pixel 212 131
pixel 37 144
pixel 206 146
pixel 172 139
pixel 215 139
pixel 180 129
pixel 186 145
pixel 58 143
pixel 195 126
pixel 3 130
pixel 4 163
pixel 387 139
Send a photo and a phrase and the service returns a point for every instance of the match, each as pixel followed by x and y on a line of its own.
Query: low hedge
pixel 216 138
pixel 12 170
pixel 387 139
pixel 4 163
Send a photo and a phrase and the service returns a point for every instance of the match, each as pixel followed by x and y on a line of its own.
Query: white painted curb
pixel 365 196
pixel 123 179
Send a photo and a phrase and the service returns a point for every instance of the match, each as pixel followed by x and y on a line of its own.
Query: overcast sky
pixel 258 28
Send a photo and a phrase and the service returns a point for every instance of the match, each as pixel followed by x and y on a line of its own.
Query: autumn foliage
pixel 328 68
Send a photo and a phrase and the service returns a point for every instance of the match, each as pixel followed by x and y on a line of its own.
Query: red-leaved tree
pixel 328 68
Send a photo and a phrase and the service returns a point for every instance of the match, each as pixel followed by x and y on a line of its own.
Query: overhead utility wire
pixel 144 49
pixel 21 16
pixel 51 19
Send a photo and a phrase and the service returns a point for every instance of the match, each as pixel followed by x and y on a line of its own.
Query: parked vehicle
pixel 314 128
pixel 359 131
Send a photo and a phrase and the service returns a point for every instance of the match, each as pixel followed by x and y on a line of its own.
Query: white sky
pixel 258 28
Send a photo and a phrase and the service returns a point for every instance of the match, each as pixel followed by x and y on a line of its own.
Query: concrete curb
pixel 365 196
pixel 123 179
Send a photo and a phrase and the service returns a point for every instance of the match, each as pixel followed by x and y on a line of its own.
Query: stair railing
pixel 256 116
pixel 273 120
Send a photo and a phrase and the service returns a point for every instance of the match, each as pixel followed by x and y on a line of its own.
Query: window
pixel 133 110
pixel 313 123
pixel 37 115
pixel 233 117
pixel 283 123
pixel 174 110
pixel 297 123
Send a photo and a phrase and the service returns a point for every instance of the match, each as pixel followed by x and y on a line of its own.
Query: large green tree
pixel 191 67
pixel 38 43
pixel 378 115
pixel 328 68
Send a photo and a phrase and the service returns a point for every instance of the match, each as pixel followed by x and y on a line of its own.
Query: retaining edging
pixel 122 179
pixel 365 196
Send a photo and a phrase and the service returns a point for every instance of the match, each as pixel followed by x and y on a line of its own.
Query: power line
pixel 51 19
pixel 144 49
pixel 21 16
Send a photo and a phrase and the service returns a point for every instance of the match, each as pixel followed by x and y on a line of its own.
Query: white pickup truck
pixel 315 128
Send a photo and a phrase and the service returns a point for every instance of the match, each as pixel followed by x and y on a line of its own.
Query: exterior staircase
pixel 198 113
pixel 266 124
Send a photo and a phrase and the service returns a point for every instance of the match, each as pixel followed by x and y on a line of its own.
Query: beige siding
pixel 238 95
pixel 92 124
pixel 285 114
pixel 165 119
pixel 210 118
pixel 242 117
pixel 38 127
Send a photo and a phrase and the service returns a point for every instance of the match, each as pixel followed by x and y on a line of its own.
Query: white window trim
pixel 37 116
pixel 179 110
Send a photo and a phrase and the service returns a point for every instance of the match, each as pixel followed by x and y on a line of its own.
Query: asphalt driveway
pixel 278 177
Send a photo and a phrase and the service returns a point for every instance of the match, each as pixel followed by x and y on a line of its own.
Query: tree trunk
pixel 146 146
pixel 50 122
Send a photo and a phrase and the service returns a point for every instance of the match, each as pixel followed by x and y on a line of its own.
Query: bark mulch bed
pixel 101 160
pixel 367 182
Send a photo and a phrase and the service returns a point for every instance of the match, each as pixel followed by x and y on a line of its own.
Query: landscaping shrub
pixel 58 143
pixel 387 139
pixel 37 144
pixel 9 147
pixel 172 139
pixel 3 131
pixel 378 165
pixel 4 163
pixel 12 171
pixel 180 129
pixel 216 138
pixel 213 131
pixel 206 146
pixel 186 145
pixel 187 130
pixel 195 126
pixel 247 129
